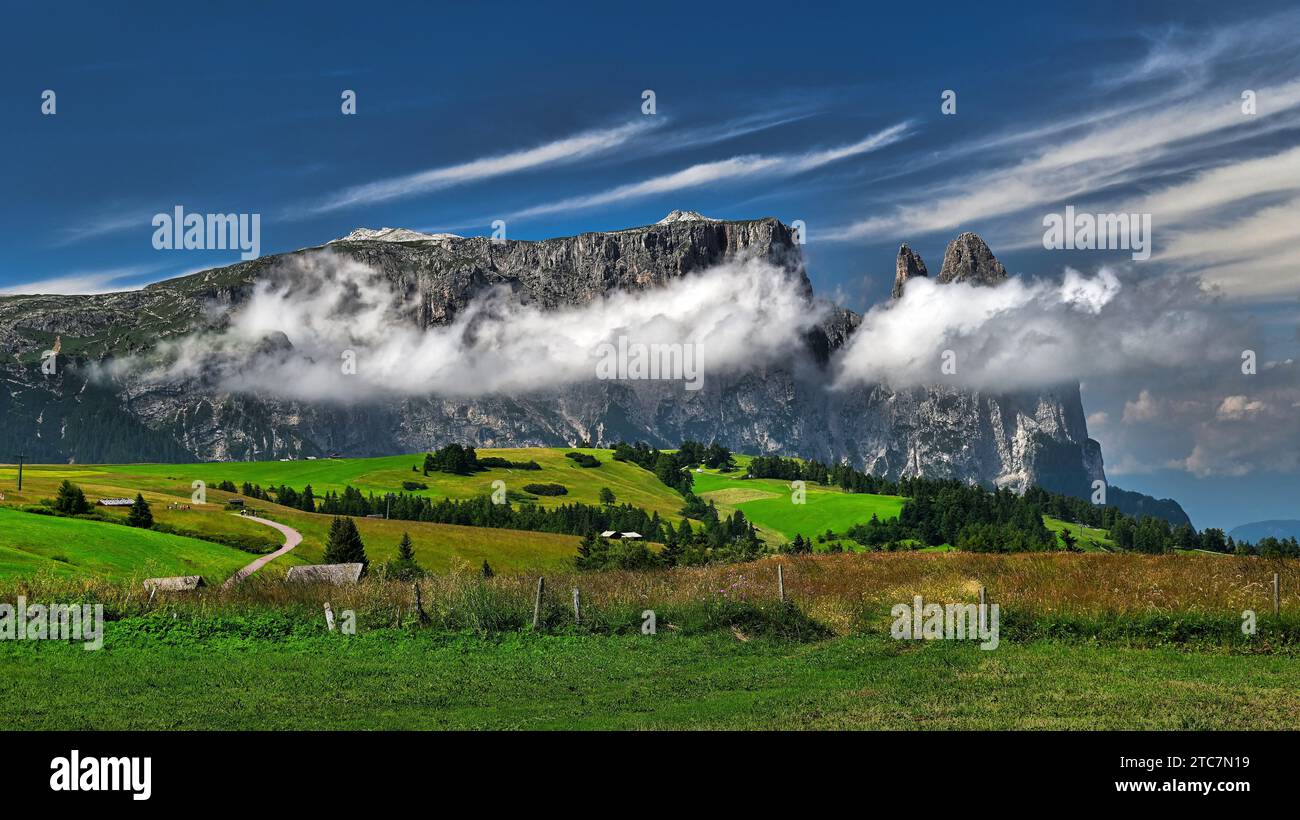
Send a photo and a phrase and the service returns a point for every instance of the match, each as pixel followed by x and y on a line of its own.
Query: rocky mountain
pixel 968 259
pixel 1011 440
pixel 909 265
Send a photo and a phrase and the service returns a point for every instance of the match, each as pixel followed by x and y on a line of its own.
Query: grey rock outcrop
pixel 907 266
pixel 968 259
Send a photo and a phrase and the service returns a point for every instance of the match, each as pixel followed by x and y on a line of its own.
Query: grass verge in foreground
pixel 388 679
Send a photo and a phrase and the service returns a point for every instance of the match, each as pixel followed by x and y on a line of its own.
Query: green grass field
pixel 65 546
pixel 768 502
pixel 1089 539
pixel 392 680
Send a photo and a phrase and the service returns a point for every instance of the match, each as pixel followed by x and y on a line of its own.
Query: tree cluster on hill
pixel 70 500
pixel 546 489
pixel 461 460
pixel 669 468
pixel 1269 547
pixel 573 519
pixel 717 540
pixel 843 476
pixel 583 459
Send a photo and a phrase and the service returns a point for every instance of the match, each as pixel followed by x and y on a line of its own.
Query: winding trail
pixel 292 538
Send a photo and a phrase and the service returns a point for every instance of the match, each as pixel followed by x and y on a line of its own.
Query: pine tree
pixel 344 545
pixel 140 516
pixel 585 548
pixel 1068 540
pixel 487 570
pixel 70 499
pixel 607 496
pixel 404 567
pixel 405 550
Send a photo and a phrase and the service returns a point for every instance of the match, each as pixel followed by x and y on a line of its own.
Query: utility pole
pixel 21 457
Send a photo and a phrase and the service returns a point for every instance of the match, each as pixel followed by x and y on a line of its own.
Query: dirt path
pixel 292 538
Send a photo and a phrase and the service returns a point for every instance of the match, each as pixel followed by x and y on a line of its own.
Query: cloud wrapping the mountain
pixel 1034 333
pixel 317 312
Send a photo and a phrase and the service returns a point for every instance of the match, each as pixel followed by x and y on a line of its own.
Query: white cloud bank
pixel 1033 333
pixel 315 313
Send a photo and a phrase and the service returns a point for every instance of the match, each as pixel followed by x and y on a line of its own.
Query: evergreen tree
pixel 1069 540
pixel 487 570
pixel 607 496
pixel 70 499
pixel 405 550
pixel 404 566
pixel 344 545
pixel 140 516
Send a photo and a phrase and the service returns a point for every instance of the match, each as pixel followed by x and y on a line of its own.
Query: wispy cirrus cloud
pixel 1122 151
pixel 732 169
pixel 85 282
pixel 105 225
pixel 569 149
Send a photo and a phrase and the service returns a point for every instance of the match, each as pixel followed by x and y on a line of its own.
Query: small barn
pixel 115 502
pixel 179 583
pixel 337 574
pixel 628 536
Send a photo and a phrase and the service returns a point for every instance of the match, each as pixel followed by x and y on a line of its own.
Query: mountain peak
pixel 909 265
pixel 393 235
pixel 685 216
pixel 968 259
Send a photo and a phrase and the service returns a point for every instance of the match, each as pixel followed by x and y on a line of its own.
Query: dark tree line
pixel 714 540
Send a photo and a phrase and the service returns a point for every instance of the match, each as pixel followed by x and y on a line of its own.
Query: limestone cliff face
pixel 908 266
pixel 968 259
pixel 1015 440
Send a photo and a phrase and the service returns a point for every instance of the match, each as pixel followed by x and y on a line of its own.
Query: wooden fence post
pixel 983 612
pixel 537 604
pixel 780 582
pixel 577 606
pixel 1277 594
pixel 419 604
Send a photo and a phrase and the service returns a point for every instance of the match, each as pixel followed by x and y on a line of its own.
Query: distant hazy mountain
pixel 1280 528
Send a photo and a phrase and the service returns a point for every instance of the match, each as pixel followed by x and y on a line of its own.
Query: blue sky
pixel 829 113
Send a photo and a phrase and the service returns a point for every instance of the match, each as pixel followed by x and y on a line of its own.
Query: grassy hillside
pixel 630 483
pixel 766 502
pixel 438 547
pixel 68 546
pixel 1089 539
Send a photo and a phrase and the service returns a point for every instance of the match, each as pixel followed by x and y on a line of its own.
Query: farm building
pixel 114 502
pixel 623 535
pixel 337 574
